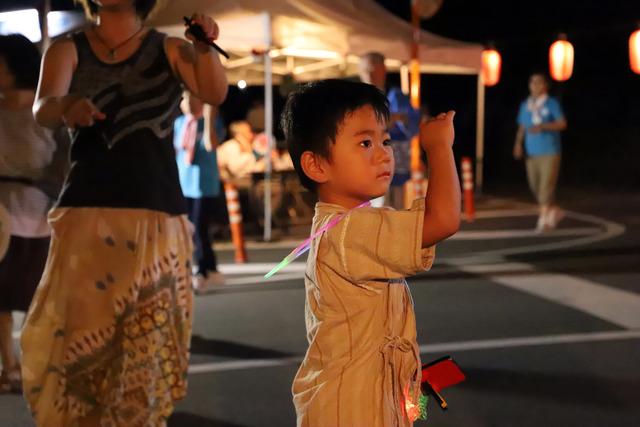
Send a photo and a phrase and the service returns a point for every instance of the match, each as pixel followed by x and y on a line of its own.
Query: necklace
pixel 112 50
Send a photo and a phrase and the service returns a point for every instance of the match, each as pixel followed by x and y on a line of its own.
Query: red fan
pixel 439 375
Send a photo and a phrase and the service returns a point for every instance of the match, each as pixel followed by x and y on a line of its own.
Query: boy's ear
pixel 314 166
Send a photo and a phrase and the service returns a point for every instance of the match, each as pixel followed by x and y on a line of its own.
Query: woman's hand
pixel 209 27
pixel 81 113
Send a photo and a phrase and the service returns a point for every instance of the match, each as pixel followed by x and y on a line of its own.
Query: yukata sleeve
pixel 378 244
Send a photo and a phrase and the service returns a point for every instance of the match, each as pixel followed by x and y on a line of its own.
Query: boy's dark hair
pixel 143 8
pixel 22 58
pixel 314 112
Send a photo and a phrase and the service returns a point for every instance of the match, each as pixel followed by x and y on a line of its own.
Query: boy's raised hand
pixel 437 131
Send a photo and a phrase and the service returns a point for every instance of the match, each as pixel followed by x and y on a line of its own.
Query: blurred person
pixel 403 124
pixel 237 161
pixel 362 367
pixel 280 158
pixel 26 151
pixel 237 158
pixel 255 116
pixel 196 136
pixel 540 121
pixel 106 339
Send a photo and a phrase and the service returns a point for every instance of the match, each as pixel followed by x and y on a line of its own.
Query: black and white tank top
pixel 128 159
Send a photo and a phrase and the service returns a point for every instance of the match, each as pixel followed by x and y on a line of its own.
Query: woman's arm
pixel 56 72
pixel 53 106
pixel 198 65
pixel 210 135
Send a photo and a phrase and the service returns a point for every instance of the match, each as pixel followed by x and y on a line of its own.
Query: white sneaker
pixel 202 284
pixel 541 226
pixel 554 217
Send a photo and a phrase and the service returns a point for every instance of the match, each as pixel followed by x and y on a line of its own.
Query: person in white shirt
pixel 237 159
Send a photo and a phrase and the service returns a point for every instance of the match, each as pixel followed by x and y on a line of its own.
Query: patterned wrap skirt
pixel 109 327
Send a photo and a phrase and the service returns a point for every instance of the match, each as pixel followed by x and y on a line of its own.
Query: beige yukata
pixel 363 356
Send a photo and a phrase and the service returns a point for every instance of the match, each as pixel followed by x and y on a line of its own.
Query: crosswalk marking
pixel 438 348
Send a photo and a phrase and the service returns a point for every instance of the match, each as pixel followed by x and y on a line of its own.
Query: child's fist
pixel 437 131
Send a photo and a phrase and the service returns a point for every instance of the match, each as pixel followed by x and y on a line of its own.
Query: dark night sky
pixel 602 143
pixel 601 100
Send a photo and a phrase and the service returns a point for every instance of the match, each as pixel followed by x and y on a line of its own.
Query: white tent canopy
pixel 315 39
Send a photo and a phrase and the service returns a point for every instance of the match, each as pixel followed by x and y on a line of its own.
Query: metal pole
pixel 268 128
pixel 43 12
pixel 480 134
pixel 417 176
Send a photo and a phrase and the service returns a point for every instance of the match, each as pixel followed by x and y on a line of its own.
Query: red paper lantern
pixel 561 59
pixel 491 66
pixel 634 51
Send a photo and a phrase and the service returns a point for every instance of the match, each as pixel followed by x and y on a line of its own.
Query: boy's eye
pixel 386 142
pixel 366 143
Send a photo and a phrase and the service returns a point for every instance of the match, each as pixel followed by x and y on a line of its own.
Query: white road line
pixel 592 233
pixel 489 234
pixel 608 303
pixel 494 269
pixel 281 244
pixel 502 213
pixel 605 302
pixel 202 368
pixel 610 230
pixel 508 234
pixel 256 280
pixel 530 341
pixel 259 267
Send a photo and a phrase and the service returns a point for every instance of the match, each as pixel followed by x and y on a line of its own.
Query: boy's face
pixel 361 165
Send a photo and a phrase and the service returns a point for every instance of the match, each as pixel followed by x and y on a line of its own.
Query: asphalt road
pixel 546 327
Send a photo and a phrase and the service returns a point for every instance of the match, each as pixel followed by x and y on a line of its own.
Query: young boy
pixel 362 368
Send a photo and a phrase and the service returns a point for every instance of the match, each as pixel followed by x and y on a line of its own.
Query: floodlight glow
pixel 24 22
pixel 310 53
pixel 242 84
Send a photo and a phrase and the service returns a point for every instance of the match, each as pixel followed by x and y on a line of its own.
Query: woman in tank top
pixel 106 340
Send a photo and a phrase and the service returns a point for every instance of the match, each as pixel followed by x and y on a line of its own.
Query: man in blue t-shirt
pixel 404 124
pixel 195 143
pixel 540 121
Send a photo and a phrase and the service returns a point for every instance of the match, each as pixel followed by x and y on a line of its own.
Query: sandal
pixel 11 380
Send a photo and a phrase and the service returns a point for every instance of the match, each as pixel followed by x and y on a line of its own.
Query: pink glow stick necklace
pixel 304 246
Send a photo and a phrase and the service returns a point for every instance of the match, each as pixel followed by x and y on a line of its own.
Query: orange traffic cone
pixel 235 221
pixel 467 187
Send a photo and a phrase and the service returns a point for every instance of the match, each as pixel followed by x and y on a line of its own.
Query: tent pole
pixel 43 11
pixel 417 174
pixel 480 134
pixel 268 122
